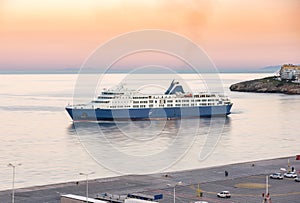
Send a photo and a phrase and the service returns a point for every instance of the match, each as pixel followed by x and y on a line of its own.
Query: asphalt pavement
pixel 245 181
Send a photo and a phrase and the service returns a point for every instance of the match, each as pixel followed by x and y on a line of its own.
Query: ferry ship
pixel 123 104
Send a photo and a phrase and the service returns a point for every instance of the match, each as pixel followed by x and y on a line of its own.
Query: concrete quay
pixel 245 181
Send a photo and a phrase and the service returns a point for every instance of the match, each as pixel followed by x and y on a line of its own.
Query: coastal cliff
pixel 267 85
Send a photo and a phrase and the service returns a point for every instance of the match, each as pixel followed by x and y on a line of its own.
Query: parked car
pixel 276 176
pixel 290 175
pixel 297 179
pixel 224 194
pixel 201 202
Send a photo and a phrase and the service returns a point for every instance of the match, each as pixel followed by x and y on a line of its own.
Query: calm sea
pixel 37 132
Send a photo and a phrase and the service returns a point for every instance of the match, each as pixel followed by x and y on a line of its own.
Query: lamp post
pixel 87 183
pixel 174 190
pixel 13 181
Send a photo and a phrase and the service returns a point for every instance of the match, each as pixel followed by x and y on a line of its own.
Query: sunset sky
pixel 60 34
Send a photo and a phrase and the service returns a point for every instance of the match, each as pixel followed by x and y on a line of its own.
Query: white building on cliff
pixel 290 72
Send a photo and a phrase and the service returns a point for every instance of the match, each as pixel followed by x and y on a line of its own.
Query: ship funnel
pixel 174 88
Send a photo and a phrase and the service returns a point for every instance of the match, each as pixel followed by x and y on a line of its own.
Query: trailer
pixel 133 200
pixel 69 198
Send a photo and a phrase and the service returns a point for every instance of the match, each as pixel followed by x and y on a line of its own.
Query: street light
pixel 87 183
pixel 174 190
pixel 13 181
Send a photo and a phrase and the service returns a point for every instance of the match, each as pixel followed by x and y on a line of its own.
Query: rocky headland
pixel 267 85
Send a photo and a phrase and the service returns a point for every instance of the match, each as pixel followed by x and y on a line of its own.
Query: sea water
pixel 37 132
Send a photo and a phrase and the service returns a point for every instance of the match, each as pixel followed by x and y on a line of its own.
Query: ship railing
pixel 77 105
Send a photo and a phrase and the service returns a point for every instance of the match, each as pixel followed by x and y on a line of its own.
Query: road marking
pixel 251 185
pixel 247 195
pixel 286 194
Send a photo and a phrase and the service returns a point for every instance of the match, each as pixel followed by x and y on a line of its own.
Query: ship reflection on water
pixel 149 146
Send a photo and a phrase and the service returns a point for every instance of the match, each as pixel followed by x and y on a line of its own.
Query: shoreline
pixel 267 85
pixel 104 179
pixel 157 182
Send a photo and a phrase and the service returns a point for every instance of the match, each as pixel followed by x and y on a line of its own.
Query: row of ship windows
pixel 136 102
pixel 141 97
pixel 212 95
pixel 168 105
pixel 168 101
pixel 178 101
pixel 112 93
pixel 166 96
pixel 100 97
pixel 196 96
pixel 154 97
pixel 101 101
pixel 113 107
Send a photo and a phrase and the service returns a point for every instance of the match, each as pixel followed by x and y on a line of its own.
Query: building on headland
pixel 290 72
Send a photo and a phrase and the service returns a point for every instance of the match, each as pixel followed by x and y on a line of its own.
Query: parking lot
pixel 243 190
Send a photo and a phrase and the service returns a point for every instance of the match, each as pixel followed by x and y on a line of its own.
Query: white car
pixel 276 176
pixel 224 194
pixel 297 179
pixel 290 175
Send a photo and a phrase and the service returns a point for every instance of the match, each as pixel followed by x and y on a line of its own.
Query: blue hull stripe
pixel 148 113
